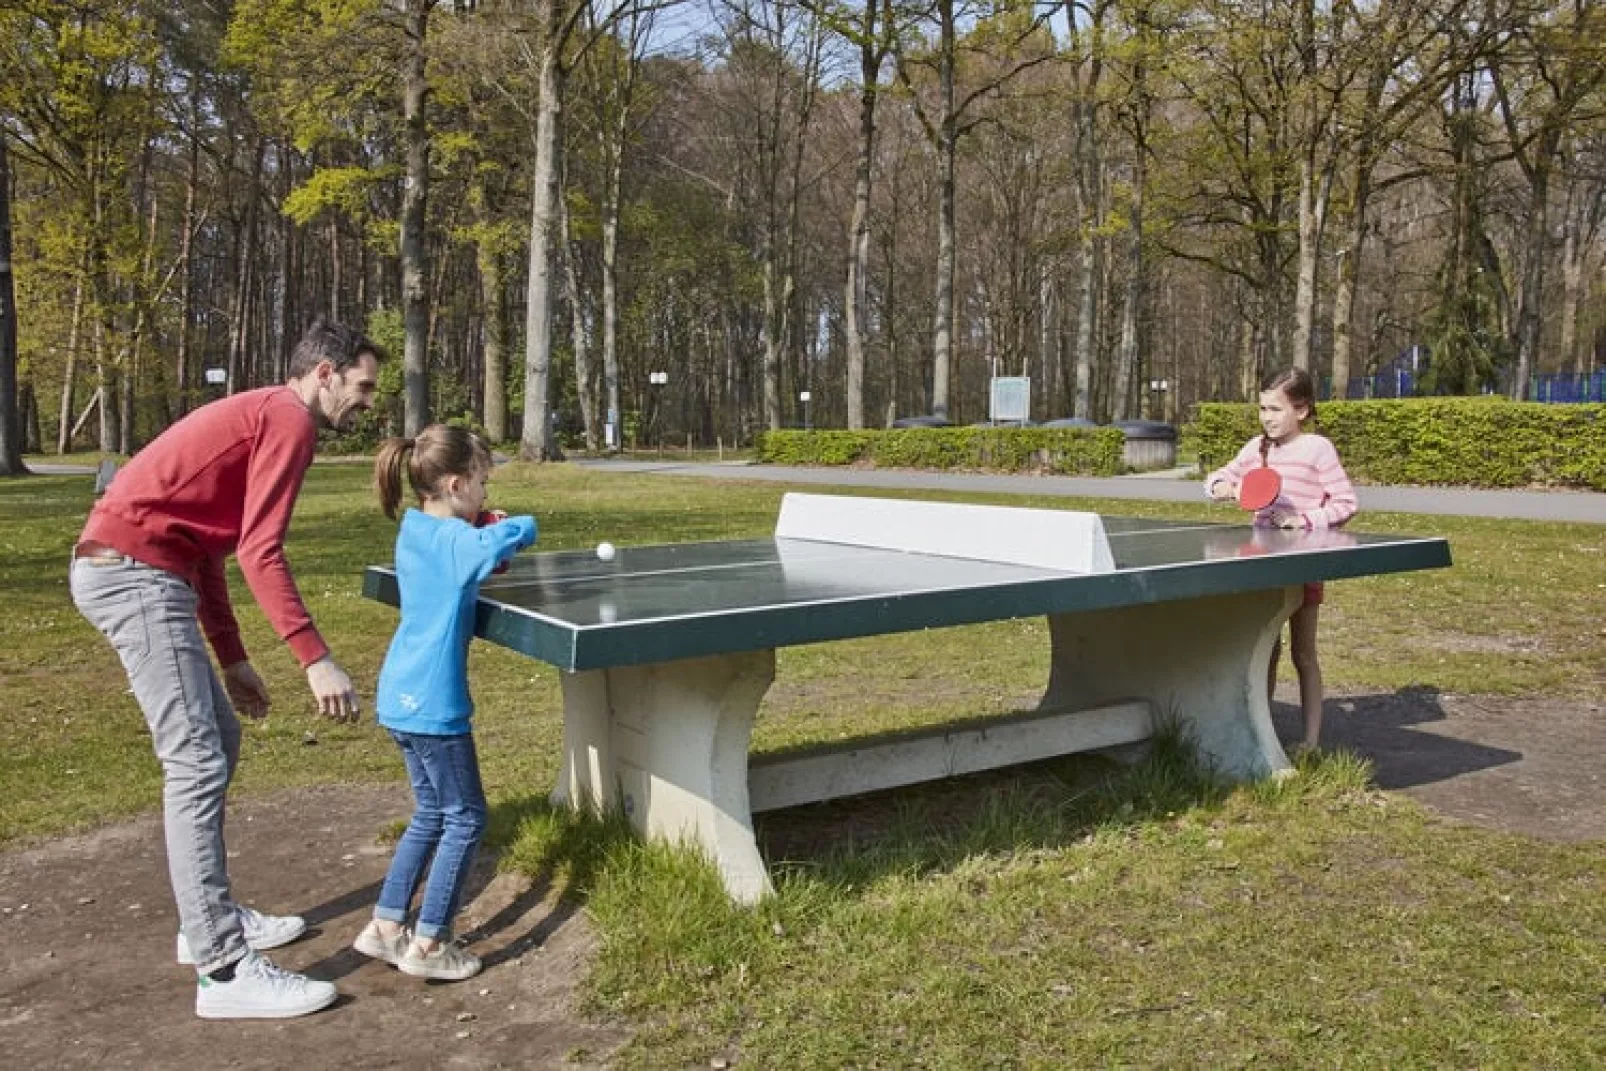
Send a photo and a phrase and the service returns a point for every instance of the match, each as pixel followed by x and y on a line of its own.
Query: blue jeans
pixel 148 615
pixel 448 821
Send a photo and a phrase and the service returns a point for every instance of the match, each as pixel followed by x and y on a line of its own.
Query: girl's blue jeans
pixel 448 821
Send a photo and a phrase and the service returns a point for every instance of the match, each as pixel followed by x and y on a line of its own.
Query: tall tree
pixel 415 197
pixel 945 122
pixel 11 463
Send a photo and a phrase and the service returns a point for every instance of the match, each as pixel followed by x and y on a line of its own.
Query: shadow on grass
pixel 933 827
pixel 853 842
pixel 1384 728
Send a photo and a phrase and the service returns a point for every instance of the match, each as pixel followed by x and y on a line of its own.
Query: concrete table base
pixel 668 742
pixel 1201 663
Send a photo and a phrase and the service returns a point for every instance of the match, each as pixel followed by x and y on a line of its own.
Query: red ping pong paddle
pixel 1259 488
pixel 487 517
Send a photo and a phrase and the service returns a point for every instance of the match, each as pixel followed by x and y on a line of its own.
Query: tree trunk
pixel 1349 273
pixel 11 463
pixel 610 298
pixel 336 275
pixel 947 136
pixel 578 339
pixel 1313 195
pixel 1127 358
pixel 239 306
pixel 536 442
pixel 183 374
pixel 1536 241
pixel 69 378
pixel 495 310
pixel 414 248
pixel 1126 362
pixel 1048 335
pixel 854 290
pixel 1090 192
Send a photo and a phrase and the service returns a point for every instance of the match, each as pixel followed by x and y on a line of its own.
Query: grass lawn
pixel 1042 918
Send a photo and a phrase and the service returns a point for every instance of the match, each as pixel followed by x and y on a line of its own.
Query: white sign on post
pixel 1011 399
pixel 216 377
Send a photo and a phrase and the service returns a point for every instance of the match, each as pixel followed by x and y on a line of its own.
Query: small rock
pixel 463 1035
pixel 85 901
pixel 50 955
pixel 719 1063
pixel 777 929
pixel 309 738
pixel 466 1017
pixel 485 992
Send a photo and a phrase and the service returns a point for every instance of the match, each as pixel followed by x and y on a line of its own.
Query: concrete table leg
pixel 1200 662
pixel 667 743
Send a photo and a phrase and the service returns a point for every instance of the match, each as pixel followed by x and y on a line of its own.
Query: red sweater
pixel 222 480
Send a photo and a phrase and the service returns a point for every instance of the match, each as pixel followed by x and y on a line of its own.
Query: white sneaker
pixel 375 945
pixel 259 990
pixel 262 932
pixel 448 963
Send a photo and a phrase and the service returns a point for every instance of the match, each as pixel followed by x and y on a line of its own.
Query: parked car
pixel 922 422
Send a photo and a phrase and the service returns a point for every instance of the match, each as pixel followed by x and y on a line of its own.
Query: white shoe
pixel 448 963
pixel 375 945
pixel 262 932
pixel 259 990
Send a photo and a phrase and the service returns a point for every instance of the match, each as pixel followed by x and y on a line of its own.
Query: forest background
pixel 570 221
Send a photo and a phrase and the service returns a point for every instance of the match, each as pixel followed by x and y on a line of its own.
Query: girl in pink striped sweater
pixel 1316 493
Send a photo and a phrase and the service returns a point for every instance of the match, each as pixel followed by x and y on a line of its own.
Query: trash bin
pixel 1150 444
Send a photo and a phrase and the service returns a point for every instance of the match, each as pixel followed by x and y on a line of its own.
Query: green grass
pixel 1046 917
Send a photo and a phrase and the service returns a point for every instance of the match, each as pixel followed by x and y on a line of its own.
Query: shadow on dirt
pixel 1387 728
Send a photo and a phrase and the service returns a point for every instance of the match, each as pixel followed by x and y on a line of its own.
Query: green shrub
pixel 1063 451
pixel 1478 442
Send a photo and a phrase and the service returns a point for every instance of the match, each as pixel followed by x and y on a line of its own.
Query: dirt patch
pixel 87 977
pixel 1522 765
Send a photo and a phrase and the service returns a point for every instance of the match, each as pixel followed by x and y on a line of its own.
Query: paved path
pixel 1576 506
pixel 1579 507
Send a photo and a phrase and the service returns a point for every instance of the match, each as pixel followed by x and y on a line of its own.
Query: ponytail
pixel 393 454
pixel 439 451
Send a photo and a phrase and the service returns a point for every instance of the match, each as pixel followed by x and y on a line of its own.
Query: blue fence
pixel 1545 387
pixel 1568 387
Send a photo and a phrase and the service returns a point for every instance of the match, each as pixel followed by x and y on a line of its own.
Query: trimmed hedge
pixel 1478 442
pixel 1062 451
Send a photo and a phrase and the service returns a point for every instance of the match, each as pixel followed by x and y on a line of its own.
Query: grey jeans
pixel 148 615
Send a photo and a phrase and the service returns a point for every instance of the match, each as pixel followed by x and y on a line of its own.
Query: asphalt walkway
pixel 1580 507
pixel 1174 485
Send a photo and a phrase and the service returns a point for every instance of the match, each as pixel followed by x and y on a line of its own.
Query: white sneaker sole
pixel 437 974
pixel 225 1009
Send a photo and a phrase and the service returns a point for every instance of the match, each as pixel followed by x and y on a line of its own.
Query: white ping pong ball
pixel 605 551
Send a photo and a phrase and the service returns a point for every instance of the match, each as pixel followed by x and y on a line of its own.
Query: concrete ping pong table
pixel 666 651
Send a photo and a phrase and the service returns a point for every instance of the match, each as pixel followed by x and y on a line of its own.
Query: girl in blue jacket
pixel 423 701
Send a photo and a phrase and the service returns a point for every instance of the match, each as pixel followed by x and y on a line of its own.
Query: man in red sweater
pixel 148 573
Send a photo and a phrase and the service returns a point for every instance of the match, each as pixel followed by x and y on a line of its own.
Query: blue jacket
pixel 423 685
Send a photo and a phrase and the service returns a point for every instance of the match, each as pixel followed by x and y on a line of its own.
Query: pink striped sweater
pixel 1315 484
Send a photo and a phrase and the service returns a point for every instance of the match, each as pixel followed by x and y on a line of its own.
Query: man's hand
pixel 336 698
pixel 246 690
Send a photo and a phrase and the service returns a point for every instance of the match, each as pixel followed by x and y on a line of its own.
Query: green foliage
pixel 1066 451
pixel 1479 442
pixel 341 189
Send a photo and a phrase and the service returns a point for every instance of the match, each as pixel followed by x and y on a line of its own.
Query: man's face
pixel 342 395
